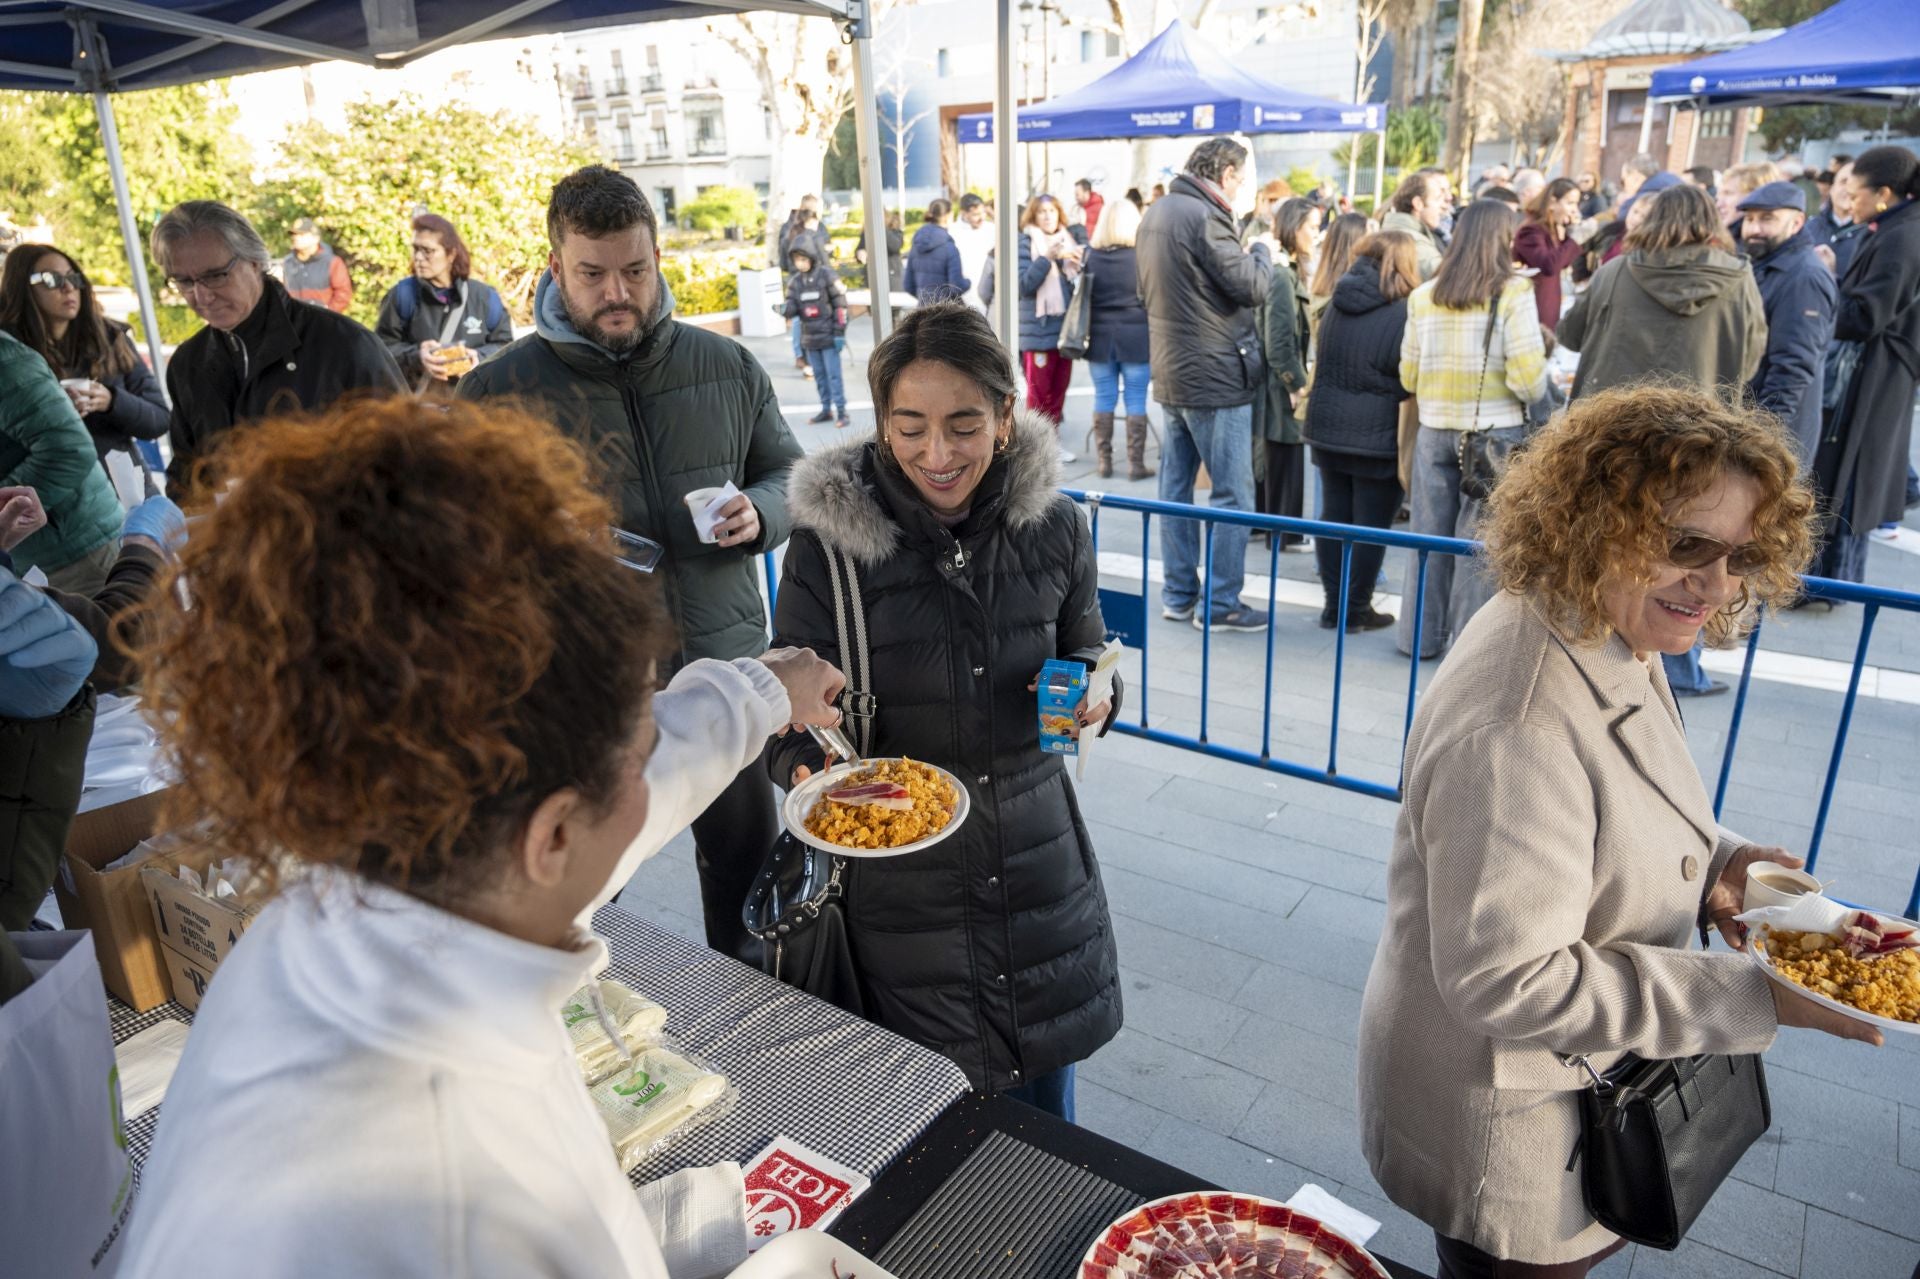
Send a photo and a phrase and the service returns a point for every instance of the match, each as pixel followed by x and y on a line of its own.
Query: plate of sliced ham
pixel 1215 1235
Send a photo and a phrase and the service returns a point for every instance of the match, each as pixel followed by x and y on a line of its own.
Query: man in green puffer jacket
pixel 663 409
pixel 44 446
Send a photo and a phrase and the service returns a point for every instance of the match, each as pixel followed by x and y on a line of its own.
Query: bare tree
pixel 1405 19
pixel 893 90
pixel 1531 104
pixel 806 80
pixel 1370 31
pixel 1463 106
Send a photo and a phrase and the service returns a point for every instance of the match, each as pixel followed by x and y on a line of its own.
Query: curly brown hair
pixel 407 629
pixel 1585 505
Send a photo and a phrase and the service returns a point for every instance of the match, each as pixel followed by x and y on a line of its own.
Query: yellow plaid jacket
pixel 1440 360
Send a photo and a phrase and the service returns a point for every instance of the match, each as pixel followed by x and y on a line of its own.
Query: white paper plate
pixel 1884 1023
pixel 807 1254
pixel 801 798
pixel 1360 1257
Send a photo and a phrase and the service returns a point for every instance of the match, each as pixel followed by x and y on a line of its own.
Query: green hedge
pixel 177 324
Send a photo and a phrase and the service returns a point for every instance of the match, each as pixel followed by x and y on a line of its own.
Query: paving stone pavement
pixel 1247 906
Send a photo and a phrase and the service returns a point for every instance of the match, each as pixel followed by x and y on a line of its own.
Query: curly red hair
pixel 1585 505
pixel 407 629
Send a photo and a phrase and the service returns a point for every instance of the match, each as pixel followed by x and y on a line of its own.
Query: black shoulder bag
pixel 1482 457
pixel 797 905
pixel 1076 327
pixel 1658 1138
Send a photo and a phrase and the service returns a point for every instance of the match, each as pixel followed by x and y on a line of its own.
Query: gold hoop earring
pixel 1000 449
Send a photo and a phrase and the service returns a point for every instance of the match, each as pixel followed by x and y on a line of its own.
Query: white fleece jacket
pixel 374 1086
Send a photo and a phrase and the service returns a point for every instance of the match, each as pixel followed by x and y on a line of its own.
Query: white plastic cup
pixel 697 503
pixel 1771 884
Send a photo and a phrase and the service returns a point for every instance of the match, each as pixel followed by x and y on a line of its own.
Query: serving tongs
pixel 835 742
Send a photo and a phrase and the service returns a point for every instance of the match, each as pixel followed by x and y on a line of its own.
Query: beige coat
pixel 1549 865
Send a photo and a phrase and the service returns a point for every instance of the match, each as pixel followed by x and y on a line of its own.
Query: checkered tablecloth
pixel 804 1069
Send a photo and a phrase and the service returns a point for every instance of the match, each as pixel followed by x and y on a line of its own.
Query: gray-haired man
pixel 263 351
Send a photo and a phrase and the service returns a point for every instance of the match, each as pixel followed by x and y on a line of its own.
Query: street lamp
pixel 1026 79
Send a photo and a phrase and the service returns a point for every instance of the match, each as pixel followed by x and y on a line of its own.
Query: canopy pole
pixel 92 68
pixel 873 196
pixel 1380 175
pixel 1006 135
pixel 1353 165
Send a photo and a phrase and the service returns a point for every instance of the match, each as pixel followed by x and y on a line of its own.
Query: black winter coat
pixel 1797 291
pixel 1355 405
pixel 685 409
pixel 818 300
pixel 933 273
pixel 1200 288
pixel 1284 330
pixel 138 410
pixel 995 947
pixel 286 357
pixel 1879 306
pixel 1119 328
pixel 410 315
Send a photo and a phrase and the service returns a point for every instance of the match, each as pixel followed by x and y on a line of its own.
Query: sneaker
pixel 1177 613
pixel 1066 456
pixel 1290 545
pixel 1359 620
pixel 844 422
pixel 1239 619
pixel 824 415
pixel 1886 533
pixel 1713 688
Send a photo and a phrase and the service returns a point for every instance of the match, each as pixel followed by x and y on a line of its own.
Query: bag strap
pixel 1486 358
pixel 856 700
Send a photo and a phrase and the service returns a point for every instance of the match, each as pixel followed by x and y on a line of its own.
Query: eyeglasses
pixel 215 280
pixel 1697 550
pixel 426 250
pixel 54 281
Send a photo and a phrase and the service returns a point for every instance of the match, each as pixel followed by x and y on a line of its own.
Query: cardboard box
pixel 113 904
pixel 195 931
pixel 187 978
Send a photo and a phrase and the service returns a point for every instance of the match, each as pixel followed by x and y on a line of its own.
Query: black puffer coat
pixel 1880 308
pixel 994 947
pixel 1200 289
pixel 1355 405
pixel 1119 328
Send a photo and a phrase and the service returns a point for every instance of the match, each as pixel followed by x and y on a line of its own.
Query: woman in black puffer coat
pixel 1354 413
pixel 994 947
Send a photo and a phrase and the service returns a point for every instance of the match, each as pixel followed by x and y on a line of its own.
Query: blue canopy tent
pixel 1179 86
pixel 1859 51
pixel 101 47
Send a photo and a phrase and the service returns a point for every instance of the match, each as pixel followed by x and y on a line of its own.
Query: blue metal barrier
pixel 1423 547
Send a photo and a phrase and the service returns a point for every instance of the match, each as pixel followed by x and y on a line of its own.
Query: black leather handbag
pixel 797 905
pixel 1658 1138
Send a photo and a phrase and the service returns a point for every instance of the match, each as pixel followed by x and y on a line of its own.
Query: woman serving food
pixel 993 946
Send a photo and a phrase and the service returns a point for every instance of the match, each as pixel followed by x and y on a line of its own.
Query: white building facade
pixel 673 107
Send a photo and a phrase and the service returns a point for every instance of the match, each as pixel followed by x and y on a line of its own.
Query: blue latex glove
pixel 159 519
pixel 45 656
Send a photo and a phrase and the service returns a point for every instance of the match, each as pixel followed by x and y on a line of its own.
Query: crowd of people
pixel 403 553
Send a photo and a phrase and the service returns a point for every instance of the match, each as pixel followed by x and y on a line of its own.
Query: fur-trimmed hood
pixel 830 495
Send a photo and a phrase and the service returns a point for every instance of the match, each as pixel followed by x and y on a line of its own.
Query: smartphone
pixel 641 554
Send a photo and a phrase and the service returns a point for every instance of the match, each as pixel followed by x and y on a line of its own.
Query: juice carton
pixel 1062 685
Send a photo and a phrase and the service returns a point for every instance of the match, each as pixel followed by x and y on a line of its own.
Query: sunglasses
pixel 1697 550
pixel 54 281
pixel 216 279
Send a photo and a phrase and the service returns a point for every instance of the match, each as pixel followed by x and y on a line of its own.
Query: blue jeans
pixel 1684 673
pixel 1052 1092
pixel 1107 378
pixel 1222 439
pixel 794 330
pixel 1455 589
pixel 826 376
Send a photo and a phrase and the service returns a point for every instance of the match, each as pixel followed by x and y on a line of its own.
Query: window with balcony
pixel 706 131
pixel 582 85
pixel 623 135
pixel 617 82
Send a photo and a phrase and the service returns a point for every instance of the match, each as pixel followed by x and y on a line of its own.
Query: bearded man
pixel 663 409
